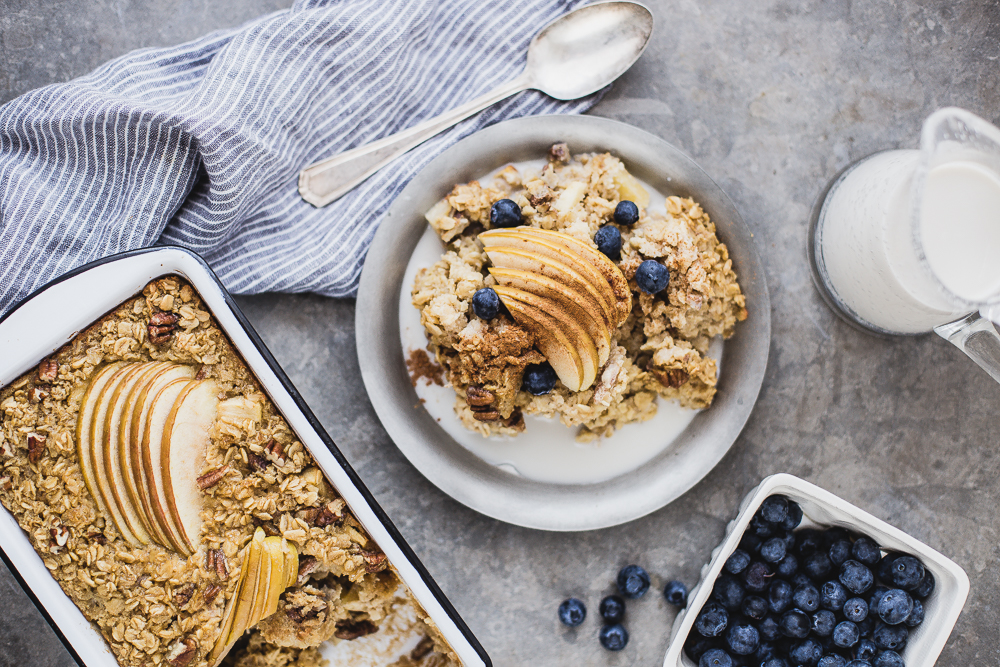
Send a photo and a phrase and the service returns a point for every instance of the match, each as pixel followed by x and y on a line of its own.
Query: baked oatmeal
pixel 177 509
pixel 560 293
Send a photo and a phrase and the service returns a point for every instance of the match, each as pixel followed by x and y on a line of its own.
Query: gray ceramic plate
pixel 492 490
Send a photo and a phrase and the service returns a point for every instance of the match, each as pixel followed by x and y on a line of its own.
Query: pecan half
pixel 36 447
pixel 48 370
pixel 276 449
pixel 182 652
pixel 220 565
pixel 348 629
pixel 421 650
pixel 478 396
pixel 674 377
pixel 258 463
pixel 485 413
pixel 210 560
pixel 375 561
pixel 211 593
pixel 161 327
pixel 163 319
pixel 327 517
pixel 212 477
pixel 184 594
pixel 38 393
pixel 307 565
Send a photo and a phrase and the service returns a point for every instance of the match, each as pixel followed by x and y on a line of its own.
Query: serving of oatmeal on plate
pixel 562 292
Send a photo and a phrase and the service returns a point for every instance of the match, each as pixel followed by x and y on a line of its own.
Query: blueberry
pixel 609 241
pixel 832 596
pixel 855 610
pixel 800 579
pixel 712 620
pixel 875 596
pixel 895 606
pixel 835 534
pixel 750 542
pixel 795 624
pixel 787 566
pixel 774 509
pixel 859 663
pixel 774 662
pixel 765 651
pixel 754 607
pixel 906 572
pixel 626 213
pixel 538 379
pixel 807 541
pixel 715 657
pixel 676 593
pixel 652 277
pixel 613 637
pixel 883 569
pixel 925 587
pixel 916 616
pixel 846 634
pixel 728 592
pixel 866 551
pixel 807 652
pixel 889 659
pixel 832 660
pixel 737 562
pixel 773 550
pixel 505 213
pixel 890 636
pixel 866 650
pixel 757 576
pixel 823 622
pixel 779 596
pixel 817 565
pixel 633 581
pixel 769 629
pixel 806 598
pixel 695 646
pixel 867 626
pixel 760 527
pixel 486 303
pixel 572 612
pixel 612 609
pixel 742 638
pixel 856 577
pixel 839 551
pixel 794 517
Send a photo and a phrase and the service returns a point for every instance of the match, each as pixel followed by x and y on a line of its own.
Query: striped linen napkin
pixel 200 144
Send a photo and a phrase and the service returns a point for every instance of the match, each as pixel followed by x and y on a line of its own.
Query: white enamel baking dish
pixel 820 507
pixel 53 315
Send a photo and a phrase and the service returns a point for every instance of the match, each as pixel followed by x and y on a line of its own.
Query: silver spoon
pixel 573 56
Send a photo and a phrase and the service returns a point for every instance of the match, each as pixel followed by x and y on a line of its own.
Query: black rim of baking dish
pixel 286 383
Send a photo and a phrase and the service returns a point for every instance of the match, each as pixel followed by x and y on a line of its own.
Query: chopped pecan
pixel 184 594
pixel 348 629
pixel 48 370
pixel 6 483
pixel 375 561
pixel 36 447
pixel 308 515
pixel 258 463
pixel 421 650
pixel 516 419
pixel 537 201
pixel 276 449
pixel 478 396
pixel 38 393
pixel 220 565
pixel 674 377
pixel 60 535
pixel 559 152
pixel 307 565
pixel 203 372
pixel 163 319
pixel 328 516
pixel 212 477
pixel 97 537
pixel 211 593
pixel 268 527
pixel 182 652
pixel 298 614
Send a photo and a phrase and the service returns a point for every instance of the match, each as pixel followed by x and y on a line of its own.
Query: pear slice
pixel 578 304
pixel 291 563
pixel 264 582
pixel 152 444
pixel 182 455
pixel 528 260
pixel 84 421
pixel 552 316
pixel 124 448
pixel 236 619
pixel 276 582
pixel 116 493
pixel 98 441
pixel 140 416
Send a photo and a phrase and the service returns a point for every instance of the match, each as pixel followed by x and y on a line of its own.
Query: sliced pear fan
pixel 85 421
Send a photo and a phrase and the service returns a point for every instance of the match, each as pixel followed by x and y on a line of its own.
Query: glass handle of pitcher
pixel 978 338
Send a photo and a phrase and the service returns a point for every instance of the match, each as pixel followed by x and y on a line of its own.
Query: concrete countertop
pixel 772 98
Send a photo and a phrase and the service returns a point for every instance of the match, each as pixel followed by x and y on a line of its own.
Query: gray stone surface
pixel 772 98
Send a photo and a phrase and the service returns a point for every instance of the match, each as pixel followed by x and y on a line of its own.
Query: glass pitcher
pixel 906 242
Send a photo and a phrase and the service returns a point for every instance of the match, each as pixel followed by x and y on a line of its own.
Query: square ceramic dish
pixel 52 316
pixel 820 507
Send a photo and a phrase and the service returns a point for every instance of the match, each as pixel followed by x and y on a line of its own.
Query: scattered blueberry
pixel 760 527
pixel 856 577
pixel 787 566
pixel 779 596
pixel 855 610
pixel 612 609
pixel 613 637
pixel 839 551
pixel 807 652
pixel 729 593
pixel 832 596
pixel 737 562
pixel 609 241
pixel 817 565
pixel 773 550
pixel 794 517
pixel 865 551
pixel 925 587
pixel 757 576
pixel 626 213
pixel 832 660
pixel 890 636
pixel 883 568
pixel 572 612
pixel 652 277
pixel 823 622
pixel 895 606
pixel 633 582
pixel 889 659
pixel 505 213
pixel 866 650
pixel 742 638
pixel 696 645
pixel 846 634
pixel 486 303
pixel 906 572
pixel 807 541
pixel 715 657
pixel 754 607
pixel 712 620
pixel 676 593
pixel 769 629
pixel 806 598
pixel 916 616
pixel 795 624
pixel 774 509
pixel 538 379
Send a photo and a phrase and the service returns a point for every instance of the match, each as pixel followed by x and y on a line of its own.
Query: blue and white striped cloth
pixel 201 144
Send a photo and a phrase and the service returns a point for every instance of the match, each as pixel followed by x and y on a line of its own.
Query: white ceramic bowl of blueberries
pixel 805 578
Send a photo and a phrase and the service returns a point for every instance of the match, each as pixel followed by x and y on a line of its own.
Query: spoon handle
pixel 330 179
